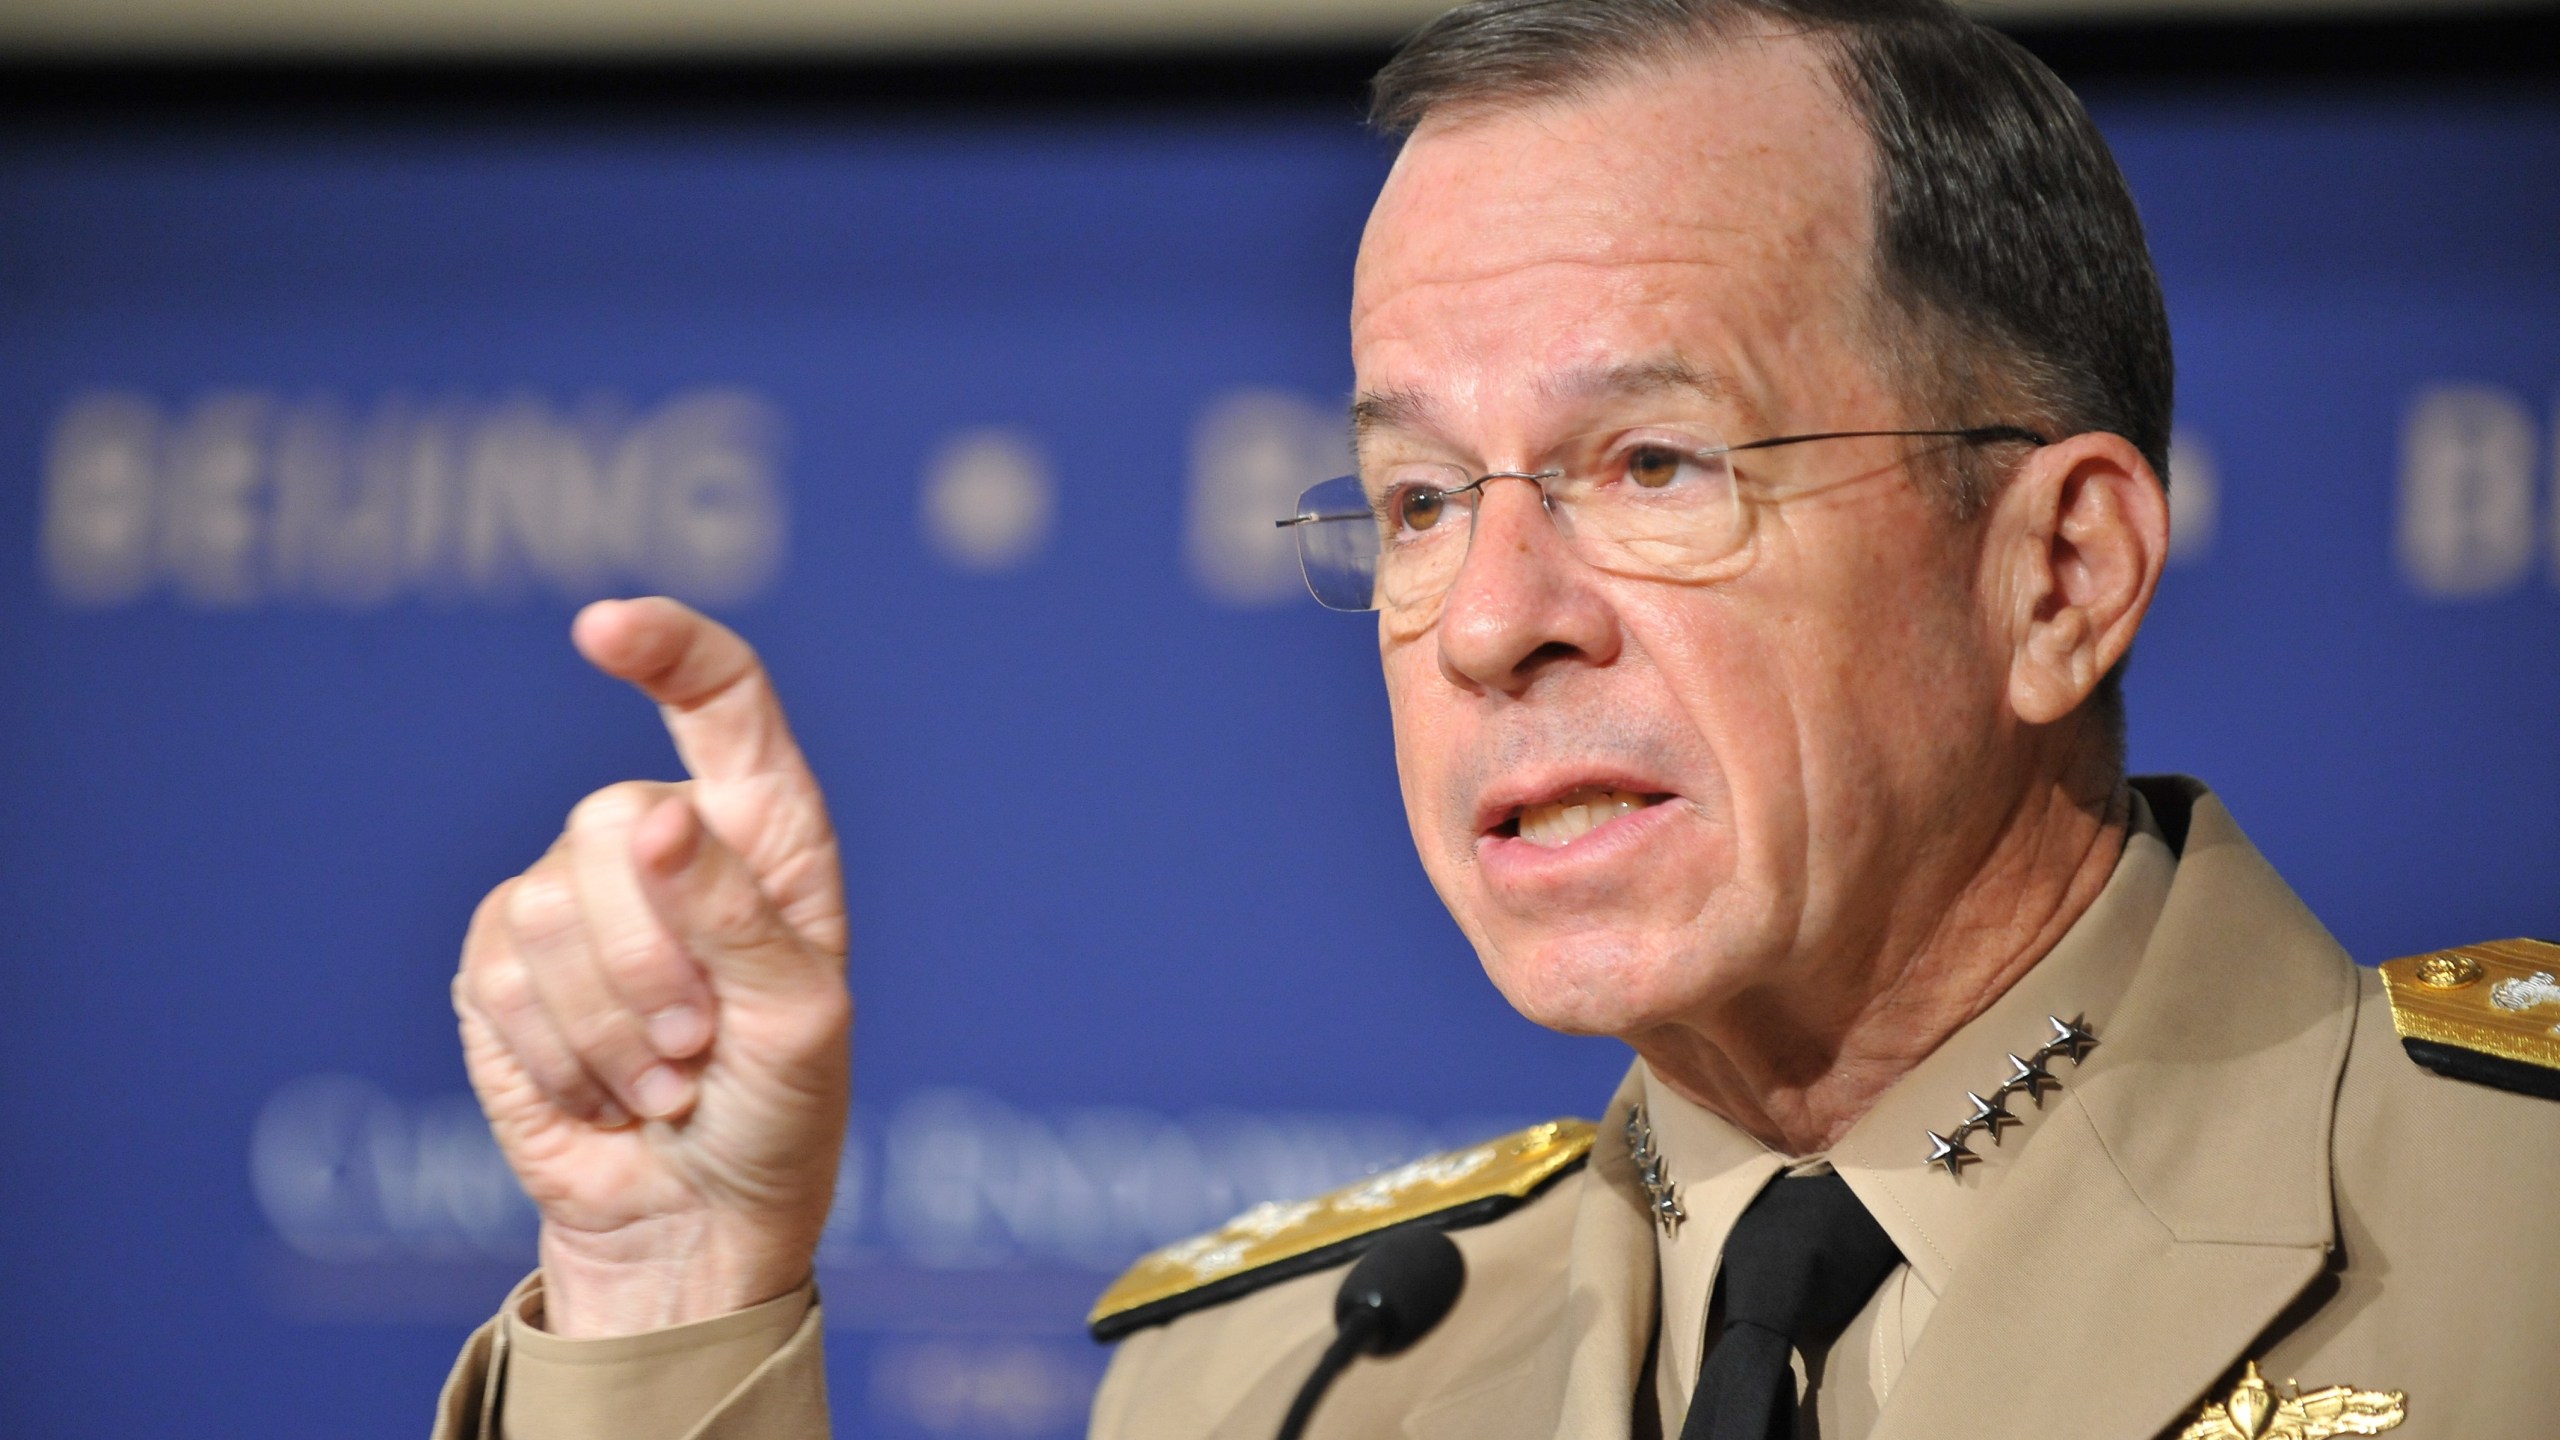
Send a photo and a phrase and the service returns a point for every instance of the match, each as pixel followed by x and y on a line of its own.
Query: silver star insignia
pixel 2030 1078
pixel 1665 1205
pixel 1950 1153
pixel 2031 1075
pixel 1988 1116
pixel 1662 1198
pixel 2070 1037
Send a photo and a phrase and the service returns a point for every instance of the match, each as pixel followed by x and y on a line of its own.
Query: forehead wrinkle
pixel 1406 408
pixel 1659 243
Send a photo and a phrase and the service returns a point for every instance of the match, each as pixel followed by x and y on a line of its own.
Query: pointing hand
pixel 655 1013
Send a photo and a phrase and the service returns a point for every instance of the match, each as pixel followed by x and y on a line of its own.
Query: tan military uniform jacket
pixel 2247 1169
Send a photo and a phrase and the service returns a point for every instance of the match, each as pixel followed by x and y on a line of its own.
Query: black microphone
pixel 1393 1297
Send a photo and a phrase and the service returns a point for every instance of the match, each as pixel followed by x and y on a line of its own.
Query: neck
pixel 1795 1065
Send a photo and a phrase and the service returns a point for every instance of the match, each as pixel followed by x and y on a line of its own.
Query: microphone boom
pixel 1400 1289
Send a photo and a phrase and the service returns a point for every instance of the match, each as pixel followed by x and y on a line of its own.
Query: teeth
pixel 1561 822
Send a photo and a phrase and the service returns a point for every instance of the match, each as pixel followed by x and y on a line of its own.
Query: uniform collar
pixel 1931 1217
pixel 2177 1197
pixel 1935 1217
pixel 1716 1169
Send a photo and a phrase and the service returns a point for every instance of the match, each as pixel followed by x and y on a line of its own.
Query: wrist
pixel 658 1273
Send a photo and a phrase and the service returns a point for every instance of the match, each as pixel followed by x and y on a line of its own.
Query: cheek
pixel 1876 661
pixel 1916 655
pixel 1423 736
pixel 1725 684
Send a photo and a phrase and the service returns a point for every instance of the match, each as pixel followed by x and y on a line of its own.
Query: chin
pixel 1595 983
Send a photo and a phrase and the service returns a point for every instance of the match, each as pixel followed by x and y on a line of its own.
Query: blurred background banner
pixel 967 388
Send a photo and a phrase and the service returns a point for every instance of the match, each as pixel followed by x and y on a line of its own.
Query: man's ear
pixel 2077 540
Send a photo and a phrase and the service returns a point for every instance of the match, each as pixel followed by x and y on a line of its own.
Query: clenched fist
pixel 655 1014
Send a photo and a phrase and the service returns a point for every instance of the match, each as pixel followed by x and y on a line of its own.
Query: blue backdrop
pixel 312 440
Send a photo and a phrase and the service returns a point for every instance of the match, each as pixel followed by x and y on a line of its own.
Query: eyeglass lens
pixel 1650 505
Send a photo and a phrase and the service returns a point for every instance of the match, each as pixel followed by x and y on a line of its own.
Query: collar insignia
pixel 2029 1075
pixel 2252 1411
pixel 1662 1198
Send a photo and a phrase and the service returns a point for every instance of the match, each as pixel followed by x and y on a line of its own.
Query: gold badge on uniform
pixel 2254 1412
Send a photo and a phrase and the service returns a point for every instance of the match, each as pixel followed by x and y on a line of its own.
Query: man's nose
pixel 1522 600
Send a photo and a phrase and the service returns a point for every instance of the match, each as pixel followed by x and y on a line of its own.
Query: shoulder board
pixel 1273 1242
pixel 2488 1013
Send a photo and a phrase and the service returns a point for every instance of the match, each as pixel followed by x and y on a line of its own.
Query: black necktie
pixel 1798 1267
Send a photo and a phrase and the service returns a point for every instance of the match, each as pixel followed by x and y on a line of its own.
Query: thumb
pixel 709 900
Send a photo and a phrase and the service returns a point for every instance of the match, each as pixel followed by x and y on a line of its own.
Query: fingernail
pixel 659 1091
pixel 678 1031
pixel 612 1116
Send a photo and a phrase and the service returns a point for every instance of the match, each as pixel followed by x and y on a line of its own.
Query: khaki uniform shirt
pixel 2246 1168
pixel 1933 1218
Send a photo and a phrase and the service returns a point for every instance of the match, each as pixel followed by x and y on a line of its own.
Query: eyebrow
pixel 1635 379
pixel 1408 409
pixel 1375 410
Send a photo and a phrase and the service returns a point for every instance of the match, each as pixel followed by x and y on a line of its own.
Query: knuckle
pixel 569 1087
pixel 492 907
pixel 499 997
pixel 486 933
pixel 537 1050
pixel 502 992
pixel 639 957
pixel 615 807
pixel 600 1036
pixel 541 906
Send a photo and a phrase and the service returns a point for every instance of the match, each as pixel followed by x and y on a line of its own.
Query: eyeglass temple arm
pixel 1973 435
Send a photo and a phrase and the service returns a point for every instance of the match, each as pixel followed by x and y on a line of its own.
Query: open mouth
pixel 1569 817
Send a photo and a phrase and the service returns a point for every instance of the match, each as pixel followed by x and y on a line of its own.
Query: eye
pixel 1689 472
pixel 1654 466
pixel 1419 507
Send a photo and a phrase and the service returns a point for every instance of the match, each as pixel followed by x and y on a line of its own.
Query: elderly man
pixel 1762 417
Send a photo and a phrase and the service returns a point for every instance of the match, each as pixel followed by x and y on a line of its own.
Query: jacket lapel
pixel 2178 1197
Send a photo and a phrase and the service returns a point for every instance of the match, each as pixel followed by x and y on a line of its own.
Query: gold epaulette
pixel 2488 1013
pixel 1273 1242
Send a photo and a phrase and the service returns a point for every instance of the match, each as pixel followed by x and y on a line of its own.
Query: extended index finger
pixel 719 706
